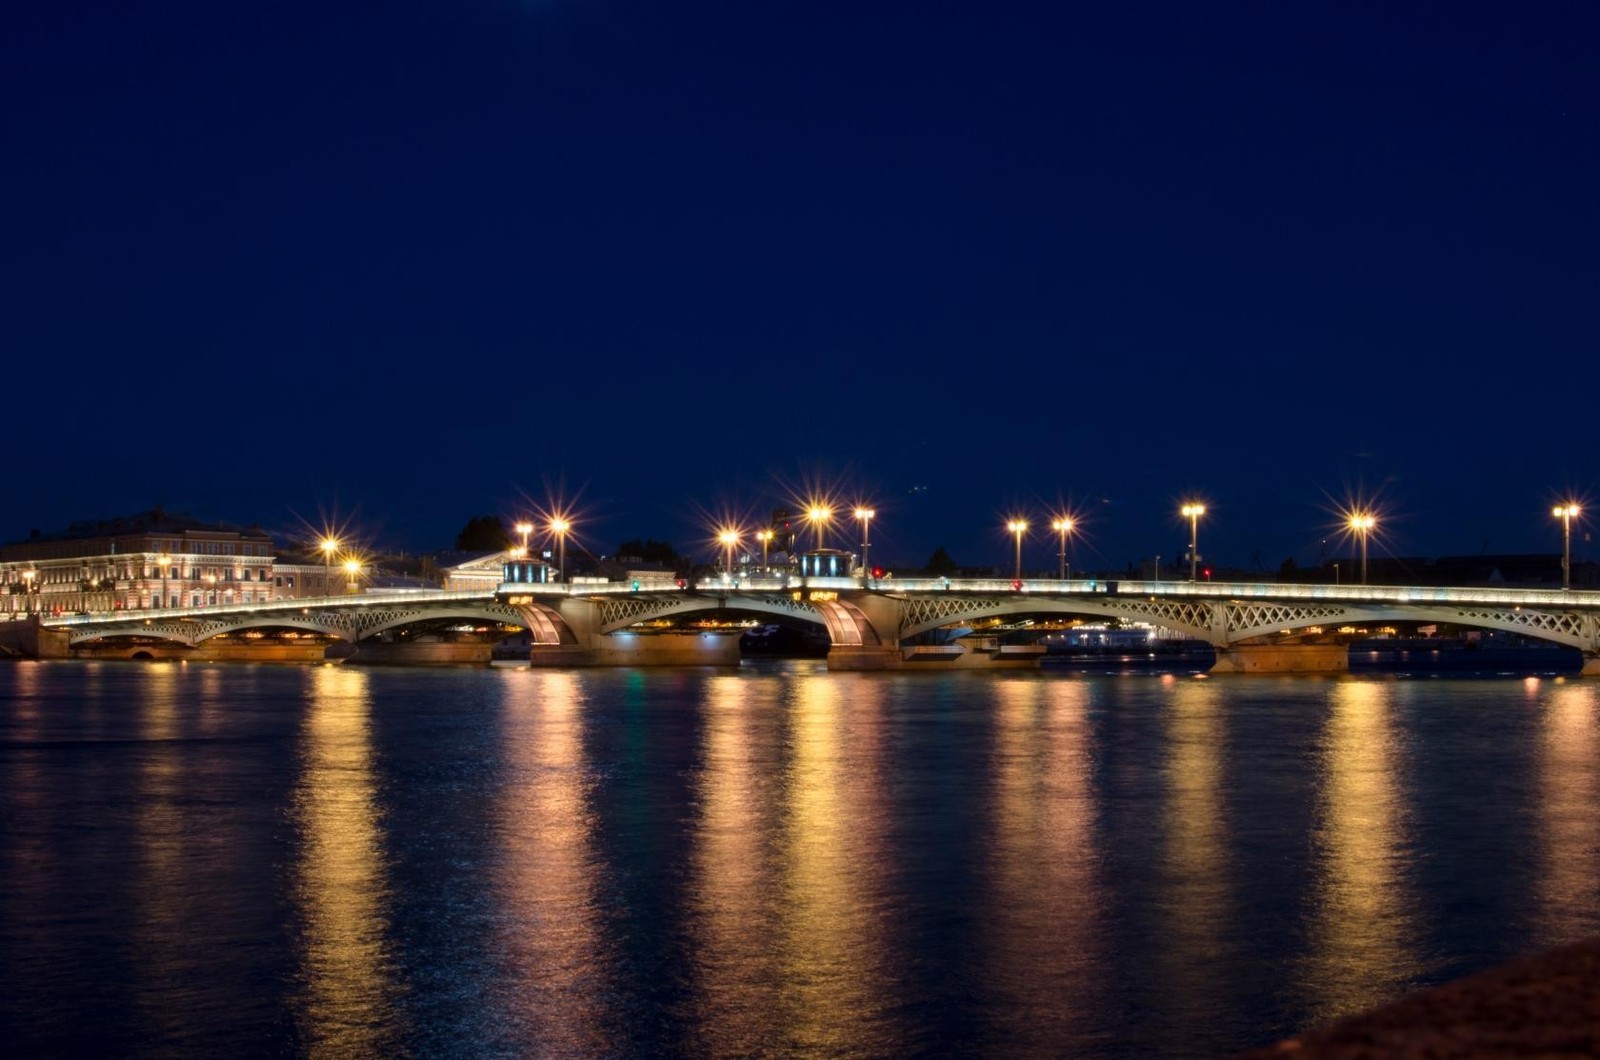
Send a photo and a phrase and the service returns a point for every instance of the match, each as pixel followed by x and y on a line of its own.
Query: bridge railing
pixel 305 604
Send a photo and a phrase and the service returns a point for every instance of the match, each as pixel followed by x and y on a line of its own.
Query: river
pixel 330 860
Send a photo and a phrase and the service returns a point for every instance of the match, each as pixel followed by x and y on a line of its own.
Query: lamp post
pixel 27 586
pixel 1362 523
pixel 729 538
pixel 352 571
pixel 865 515
pixel 524 528
pixel 559 527
pixel 1062 526
pixel 1566 513
pixel 164 561
pixel 211 590
pixel 1193 512
pixel 1018 527
pixel 765 537
pixel 329 546
pixel 819 514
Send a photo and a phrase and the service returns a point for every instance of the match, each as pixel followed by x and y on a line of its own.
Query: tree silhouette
pixel 940 562
pixel 483 533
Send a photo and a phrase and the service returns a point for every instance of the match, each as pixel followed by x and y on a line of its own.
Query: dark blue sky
pixel 418 261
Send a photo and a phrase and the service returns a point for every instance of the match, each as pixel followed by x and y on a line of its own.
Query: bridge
pixel 881 623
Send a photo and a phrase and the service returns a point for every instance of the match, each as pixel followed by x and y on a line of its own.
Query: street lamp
pixel 1193 512
pixel 865 515
pixel 1361 523
pixel 1018 527
pixel 352 570
pixel 329 547
pixel 559 527
pixel 729 538
pixel 1062 526
pixel 164 561
pixel 765 537
pixel 1566 513
pixel 27 585
pixel 819 514
pixel 524 528
pixel 211 590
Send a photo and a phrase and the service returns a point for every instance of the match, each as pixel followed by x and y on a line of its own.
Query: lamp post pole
pixel 329 547
pixel 1362 523
pixel 1565 513
pixel 1062 526
pixel 1018 527
pixel 164 561
pixel 865 515
pixel 524 528
pixel 818 515
pixel 1193 512
pixel 729 539
pixel 559 527
pixel 352 571
pixel 765 537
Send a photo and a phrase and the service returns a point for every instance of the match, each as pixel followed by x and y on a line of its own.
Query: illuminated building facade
pixel 151 560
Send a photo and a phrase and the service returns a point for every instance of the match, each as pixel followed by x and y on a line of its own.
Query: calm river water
pixel 211 859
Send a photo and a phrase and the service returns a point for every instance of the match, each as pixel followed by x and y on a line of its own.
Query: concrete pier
pixel 1282 659
pixel 633 649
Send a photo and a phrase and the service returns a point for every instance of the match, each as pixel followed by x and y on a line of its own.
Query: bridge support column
pixel 1591 665
pixel 1282 659
pixel 30 640
pixel 864 657
pixel 636 649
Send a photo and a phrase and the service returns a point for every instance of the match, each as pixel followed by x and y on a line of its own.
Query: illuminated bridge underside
pixel 618 614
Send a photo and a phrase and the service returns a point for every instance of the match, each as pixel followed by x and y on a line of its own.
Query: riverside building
pixel 155 559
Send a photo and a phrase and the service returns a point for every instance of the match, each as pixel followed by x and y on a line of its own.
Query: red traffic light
pixel 1017 585
pixel 877 572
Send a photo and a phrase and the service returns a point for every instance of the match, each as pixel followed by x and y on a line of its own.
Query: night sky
pixel 406 263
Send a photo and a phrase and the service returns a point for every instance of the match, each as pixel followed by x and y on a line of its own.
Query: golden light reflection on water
pixel 1568 886
pixel 734 921
pixel 1043 947
pixel 831 936
pixel 554 986
pixel 346 1006
pixel 1197 901
pixel 1364 930
pixel 160 835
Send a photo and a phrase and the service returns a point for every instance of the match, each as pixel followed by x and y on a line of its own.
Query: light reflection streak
pixel 348 979
pixel 831 937
pixel 1364 925
pixel 165 947
pixel 1568 886
pixel 554 990
pixel 1043 948
pixel 1196 898
pixel 733 877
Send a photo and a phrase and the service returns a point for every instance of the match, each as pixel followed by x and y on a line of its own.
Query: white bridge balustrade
pixel 1266 626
